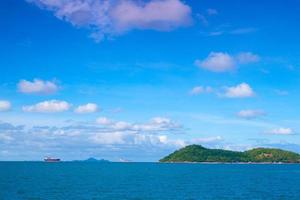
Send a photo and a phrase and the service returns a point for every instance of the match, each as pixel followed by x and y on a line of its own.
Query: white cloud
pixel 155 124
pixel 200 90
pixel 51 106
pixel 250 114
pixel 134 139
pixel 88 139
pixel 217 62
pixel 112 17
pixel 247 57
pixel 281 131
pixel 87 108
pixel 4 105
pixel 224 62
pixel 242 90
pixel 37 86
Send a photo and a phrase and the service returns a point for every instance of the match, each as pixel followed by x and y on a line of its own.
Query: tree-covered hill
pixel 197 153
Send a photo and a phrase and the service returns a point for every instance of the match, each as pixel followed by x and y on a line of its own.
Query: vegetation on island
pixel 198 153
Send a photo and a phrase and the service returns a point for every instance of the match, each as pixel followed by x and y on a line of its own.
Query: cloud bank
pixel 224 62
pixel 145 141
pixel 156 124
pixel 88 139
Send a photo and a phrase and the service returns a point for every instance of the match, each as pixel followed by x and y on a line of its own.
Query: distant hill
pixel 92 160
pixel 198 153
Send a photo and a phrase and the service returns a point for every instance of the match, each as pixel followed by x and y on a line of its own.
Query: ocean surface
pixel 80 180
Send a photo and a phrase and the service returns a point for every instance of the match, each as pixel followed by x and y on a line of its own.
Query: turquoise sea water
pixel 79 180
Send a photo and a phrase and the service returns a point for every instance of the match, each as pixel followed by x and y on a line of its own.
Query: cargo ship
pixel 49 159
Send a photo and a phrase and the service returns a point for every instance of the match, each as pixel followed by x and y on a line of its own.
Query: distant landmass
pixel 92 160
pixel 198 153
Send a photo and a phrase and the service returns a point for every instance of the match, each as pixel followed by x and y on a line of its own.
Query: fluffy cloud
pixel 250 114
pixel 281 131
pixel 4 105
pixel 37 86
pixel 242 90
pixel 112 17
pixel 51 106
pixel 217 62
pixel 87 108
pixel 128 139
pixel 157 15
pixel 200 90
pixel 109 132
pixel 223 62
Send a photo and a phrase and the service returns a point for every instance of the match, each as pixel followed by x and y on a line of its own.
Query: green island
pixel 198 153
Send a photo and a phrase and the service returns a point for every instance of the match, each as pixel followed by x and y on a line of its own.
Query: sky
pixel 136 80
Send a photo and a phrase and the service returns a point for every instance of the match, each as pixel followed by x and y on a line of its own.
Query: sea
pixel 138 181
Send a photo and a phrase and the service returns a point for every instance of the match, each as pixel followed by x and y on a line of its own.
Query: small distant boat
pixel 49 159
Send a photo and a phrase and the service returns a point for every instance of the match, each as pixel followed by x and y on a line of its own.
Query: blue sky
pixel 136 80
